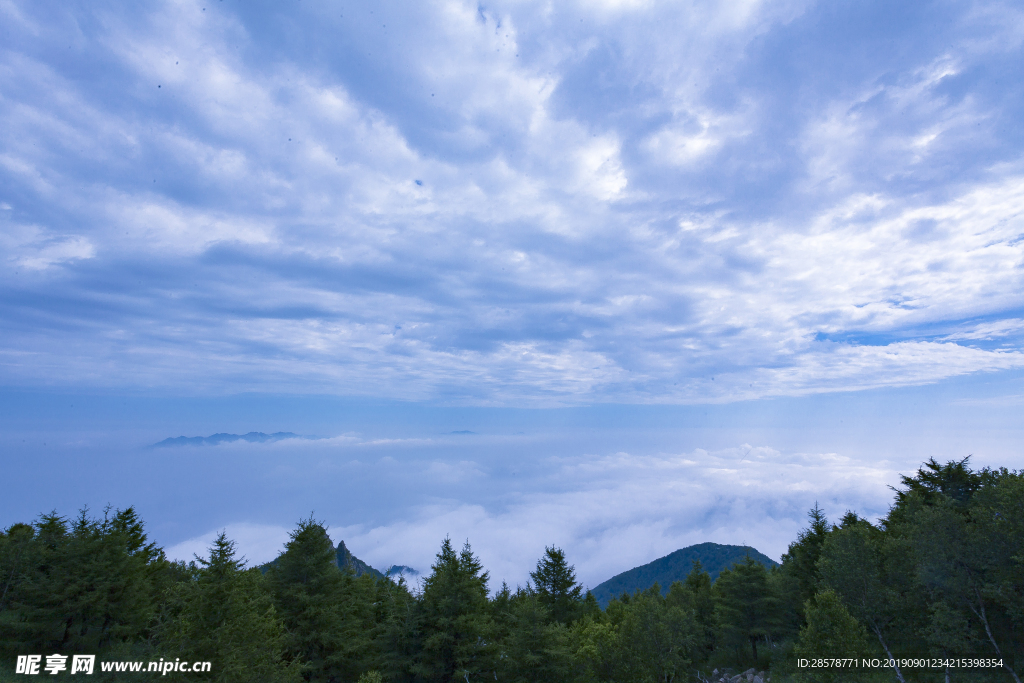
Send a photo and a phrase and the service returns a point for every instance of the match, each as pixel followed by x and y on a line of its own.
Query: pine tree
pixel 646 638
pixel 702 602
pixel 396 632
pixel 554 581
pixel 744 604
pixel 800 562
pixel 532 647
pixel 80 586
pixel 455 622
pixel 854 564
pixel 225 615
pixel 969 559
pixel 327 612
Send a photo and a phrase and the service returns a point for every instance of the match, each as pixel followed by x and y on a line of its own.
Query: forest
pixel 933 591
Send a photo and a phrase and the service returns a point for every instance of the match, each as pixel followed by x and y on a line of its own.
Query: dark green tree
pixel 831 633
pixel 702 602
pixel 856 564
pixel 226 615
pixel 800 562
pixel 554 581
pixel 17 550
pixel 396 632
pixel 966 560
pixel 532 648
pixel 745 605
pixel 327 612
pixel 455 620
pixel 80 586
pixel 933 483
pixel 647 638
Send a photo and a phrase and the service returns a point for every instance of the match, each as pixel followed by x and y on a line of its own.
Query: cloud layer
pixel 609 512
pixel 510 204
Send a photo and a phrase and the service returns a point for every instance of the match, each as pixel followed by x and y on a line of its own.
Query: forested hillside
pixel 940 577
pixel 675 566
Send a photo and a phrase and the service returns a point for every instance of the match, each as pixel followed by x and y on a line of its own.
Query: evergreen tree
pixel 396 632
pixel 17 549
pixel 554 581
pixel 998 515
pixel 531 647
pixel 455 620
pixel 226 616
pixel 327 612
pixel 81 586
pixel 853 564
pixel 831 633
pixel 744 604
pixel 933 483
pixel 968 566
pixel 800 562
pixel 702 602
pixel 647 638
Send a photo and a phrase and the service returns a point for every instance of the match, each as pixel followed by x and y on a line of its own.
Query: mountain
pixel 343 558
pixel 675 566
pixel 213 439
pixel 347 559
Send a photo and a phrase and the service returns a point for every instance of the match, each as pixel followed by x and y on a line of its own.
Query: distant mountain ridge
pixel 675 566
pixel 213 439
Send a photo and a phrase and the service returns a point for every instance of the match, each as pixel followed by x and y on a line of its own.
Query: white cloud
pixel 34 248
pixel 615 512
pixel 493 218
pixel 609 513
pixel 255 543
pixel 990 330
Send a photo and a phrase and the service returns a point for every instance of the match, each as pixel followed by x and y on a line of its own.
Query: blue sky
pixel 682 267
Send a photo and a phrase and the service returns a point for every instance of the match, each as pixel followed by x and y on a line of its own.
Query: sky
pixel 619 275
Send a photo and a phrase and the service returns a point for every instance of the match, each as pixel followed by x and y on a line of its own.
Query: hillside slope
pixel 675 566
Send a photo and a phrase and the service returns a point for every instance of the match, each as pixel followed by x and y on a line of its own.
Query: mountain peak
pixel 675 566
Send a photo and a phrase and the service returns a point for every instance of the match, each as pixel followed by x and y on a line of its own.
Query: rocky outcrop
pixel 748 676
pixel 345 559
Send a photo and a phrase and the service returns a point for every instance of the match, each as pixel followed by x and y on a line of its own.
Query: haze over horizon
pixel 619 276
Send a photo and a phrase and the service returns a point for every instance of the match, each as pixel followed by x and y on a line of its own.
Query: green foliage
pixel 532 647
pixel 455 623
pixel 226 616
pixel 673 567
pixel 700 599
pixel 646 638
pixel 78 586
pixel 953 482
pixel 745 606
pixel 554 582
pixel 396 630
pixel 800 562
pixel 831 633
pixel 327 612
pixel 942 575
pixel 968 557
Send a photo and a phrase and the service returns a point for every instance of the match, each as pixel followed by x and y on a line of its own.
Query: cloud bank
pixel 609 512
